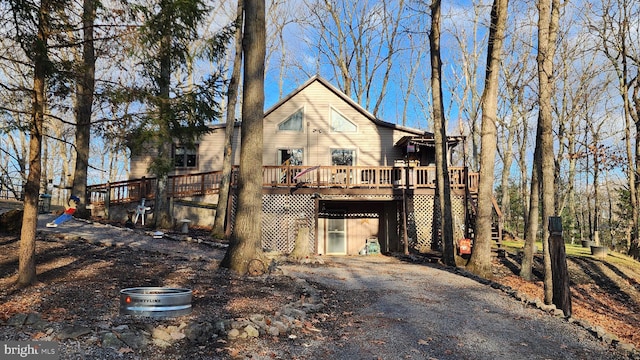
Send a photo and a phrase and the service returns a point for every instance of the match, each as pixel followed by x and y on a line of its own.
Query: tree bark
pixel 162 213
pixel 547 32
pixel 246 240
pixel 27 252
pixel 85 87
pixel 532 223
pixel 480 261
pixel 227 162
pixel 440 136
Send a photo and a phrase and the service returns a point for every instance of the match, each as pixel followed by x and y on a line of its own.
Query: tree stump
pixel 559 270
pixel 301 248
pixel 11 221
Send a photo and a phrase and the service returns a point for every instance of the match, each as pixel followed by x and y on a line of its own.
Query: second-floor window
pixel 290 157
pixel 343 157
pixel 185 157
pixel 341 124
pixel 293 122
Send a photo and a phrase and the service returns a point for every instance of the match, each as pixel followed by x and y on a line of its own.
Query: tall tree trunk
pixel 27 252
pixel 246 239
pixel 547 32
pixel 634 248
pixel 162 213
pixel 505 201
pixel 522 165
pixel 532 218
pixel 629 106
pixel 227 162
pixel 439 121
pixel 631 174
pixel 85 87
pixel 631 110
pixel 480 261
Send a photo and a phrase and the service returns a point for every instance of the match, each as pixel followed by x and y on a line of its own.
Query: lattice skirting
pixel 284 215
pixel 423 221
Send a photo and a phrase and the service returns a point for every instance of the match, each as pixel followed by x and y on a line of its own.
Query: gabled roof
pixel 345 98
pixel 423 138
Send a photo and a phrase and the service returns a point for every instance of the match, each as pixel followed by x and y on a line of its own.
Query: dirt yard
pixel 605 293
pixel 78 285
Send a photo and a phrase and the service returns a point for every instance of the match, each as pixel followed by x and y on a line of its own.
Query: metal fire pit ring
pixel 155 301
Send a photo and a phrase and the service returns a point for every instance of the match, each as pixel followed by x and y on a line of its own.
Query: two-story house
pixel 329 166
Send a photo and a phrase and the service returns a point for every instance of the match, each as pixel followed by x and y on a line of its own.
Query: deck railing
pixel 372 177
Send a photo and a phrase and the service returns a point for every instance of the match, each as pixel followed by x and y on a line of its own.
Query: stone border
pixel 600 333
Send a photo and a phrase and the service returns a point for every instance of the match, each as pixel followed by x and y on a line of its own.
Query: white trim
pixel 343 232
pixel 355 155
pixel 330 123
pixel 303 123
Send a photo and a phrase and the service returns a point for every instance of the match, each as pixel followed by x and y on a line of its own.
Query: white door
pixel 336 236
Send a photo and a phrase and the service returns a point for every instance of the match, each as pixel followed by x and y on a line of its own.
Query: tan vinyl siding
pixel 211 150
pixel 358 231
pixel 139 165
pixel 372 142
pixel 210 155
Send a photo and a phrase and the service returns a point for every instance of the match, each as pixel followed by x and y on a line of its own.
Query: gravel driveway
pixel 422 312
pixel 407 310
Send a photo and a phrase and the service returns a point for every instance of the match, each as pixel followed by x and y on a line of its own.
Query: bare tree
pixel 618 41
pixel 245 242
pixel 548 18
pixel 532 222
pixel 439 122
pixel 280 16
pixel 36 48
pixel 232 97
pixel 85 87
pixel 480 261
pixel 468 64
pixel 513 126
pixel 360 42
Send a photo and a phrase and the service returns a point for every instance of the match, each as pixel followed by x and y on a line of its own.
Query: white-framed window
pixel 343 157
pixel 185 157
pixel 294 122
pixel 336 235
pixel 290 156
pixel 340 124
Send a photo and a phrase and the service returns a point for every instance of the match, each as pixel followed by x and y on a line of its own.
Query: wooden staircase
pixel 496 224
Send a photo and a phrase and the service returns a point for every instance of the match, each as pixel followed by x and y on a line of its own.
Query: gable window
pixel 185 157
pixel 293 122
pixel 341 124
pixel 291 157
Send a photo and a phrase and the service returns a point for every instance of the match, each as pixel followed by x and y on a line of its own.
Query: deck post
pixel 143 189
pixel 405 208
pixel 107 199
pixel 467 198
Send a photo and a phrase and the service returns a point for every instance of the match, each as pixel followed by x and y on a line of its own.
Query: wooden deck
pixel 287 177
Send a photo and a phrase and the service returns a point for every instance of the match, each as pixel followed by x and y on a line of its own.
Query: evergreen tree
pixel 175 112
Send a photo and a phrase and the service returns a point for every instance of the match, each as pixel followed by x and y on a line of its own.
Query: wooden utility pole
pixel 559 272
